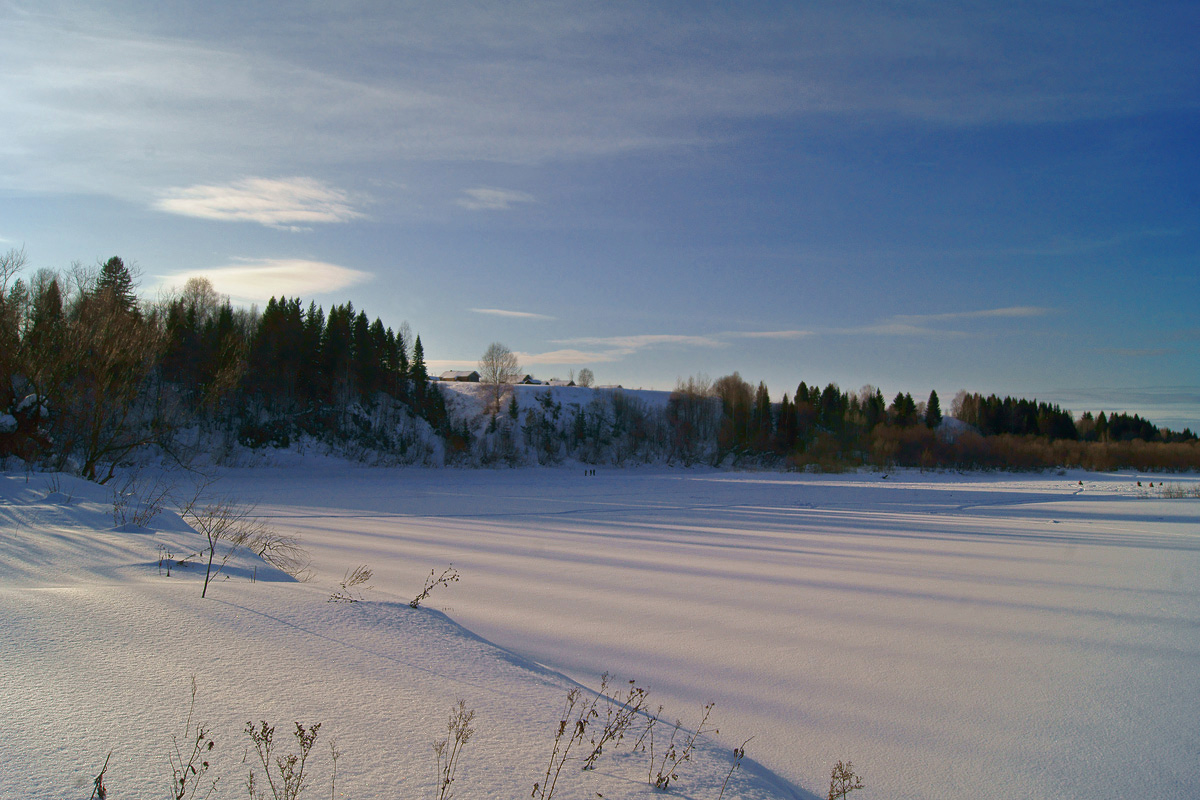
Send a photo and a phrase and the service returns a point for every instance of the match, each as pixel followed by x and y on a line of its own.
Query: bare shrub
pixel 677 752
pixel 350 580
pixel 621 709
pixel 99 791
pixel 187 775
pixel 164 558
pixel 570 731
pixel 54 487
pixel 283 551
pixel 449 575
pixel 619 712
pixel 334 755
pixel 449 750
pixel 227 527
pixel 738 754
pixel 138 502
pixel 284 774
pixel 843 781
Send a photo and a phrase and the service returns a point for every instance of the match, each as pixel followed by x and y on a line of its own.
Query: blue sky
pixel 993 197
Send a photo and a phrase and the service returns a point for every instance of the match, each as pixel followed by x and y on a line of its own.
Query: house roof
pixel 460 375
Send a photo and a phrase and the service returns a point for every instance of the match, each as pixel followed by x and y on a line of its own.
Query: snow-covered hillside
pixel 954 636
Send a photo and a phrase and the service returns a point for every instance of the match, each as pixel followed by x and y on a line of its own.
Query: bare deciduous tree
pixel 227 527
pixel 498 369
pixel 586 378
pixel 11 263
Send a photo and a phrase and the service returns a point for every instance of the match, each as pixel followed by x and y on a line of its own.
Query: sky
pixel 918 196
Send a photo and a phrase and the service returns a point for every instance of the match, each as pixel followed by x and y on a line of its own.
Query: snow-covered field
pixel 1008 636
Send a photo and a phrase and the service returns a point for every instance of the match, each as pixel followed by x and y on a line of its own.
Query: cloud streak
pixel 923 325
pixel 607 349
pixel 256 280
pixel 122 103
pixel 782 335
pixel 990 313
pixel 483 199
pixel 500 312
pixel 616 348
pixel 283 203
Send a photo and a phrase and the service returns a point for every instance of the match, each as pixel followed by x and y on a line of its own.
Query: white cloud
pixel 500 312
pixel 614 348
pixel 1012 311
pixel 631 344
pixel 276 203
pixel 769 334
pixel 255 280
pixel 569 356
pixel 896 328
pixel 484 199
pixel 924 325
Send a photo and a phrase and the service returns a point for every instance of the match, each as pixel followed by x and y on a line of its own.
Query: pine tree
pixel 933 411
pixel 420 378
pixel 832 409
pixel 337 350
pixel 314 380
pixel 116 283
pixel 762 416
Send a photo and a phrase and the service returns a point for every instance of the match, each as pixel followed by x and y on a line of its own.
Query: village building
pixel 460 377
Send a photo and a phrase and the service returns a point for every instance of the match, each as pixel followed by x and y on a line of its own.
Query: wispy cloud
pixel 281 203
pixel 1115 397
pixel 483 199
pixel 632 344
pixel 255 280
pixel 897 328
pixel 500 312
pixel 1177 407
pixel 926 325
pixel 121 103
pixel 607 349
pixel 614 348
pixel 989 313
pixel 569 356
pixel 794 334
pixel 1135 352
pixel 1065 245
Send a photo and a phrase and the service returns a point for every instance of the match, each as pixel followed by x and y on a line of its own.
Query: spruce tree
pixel 116 283
pixel 933 411
pixel 420 378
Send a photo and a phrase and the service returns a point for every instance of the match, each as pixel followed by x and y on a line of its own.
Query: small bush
pixel 449 575
pixel 449 750
pixel 350 580
pixel 677 753
pixel 186 775
pixel 843 781
pixel 284 774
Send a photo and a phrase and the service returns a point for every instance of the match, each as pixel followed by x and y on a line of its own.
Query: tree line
pixel 828 428
pixel 90 376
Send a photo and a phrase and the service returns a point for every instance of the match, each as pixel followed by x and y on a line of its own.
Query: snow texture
pixel 953 635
